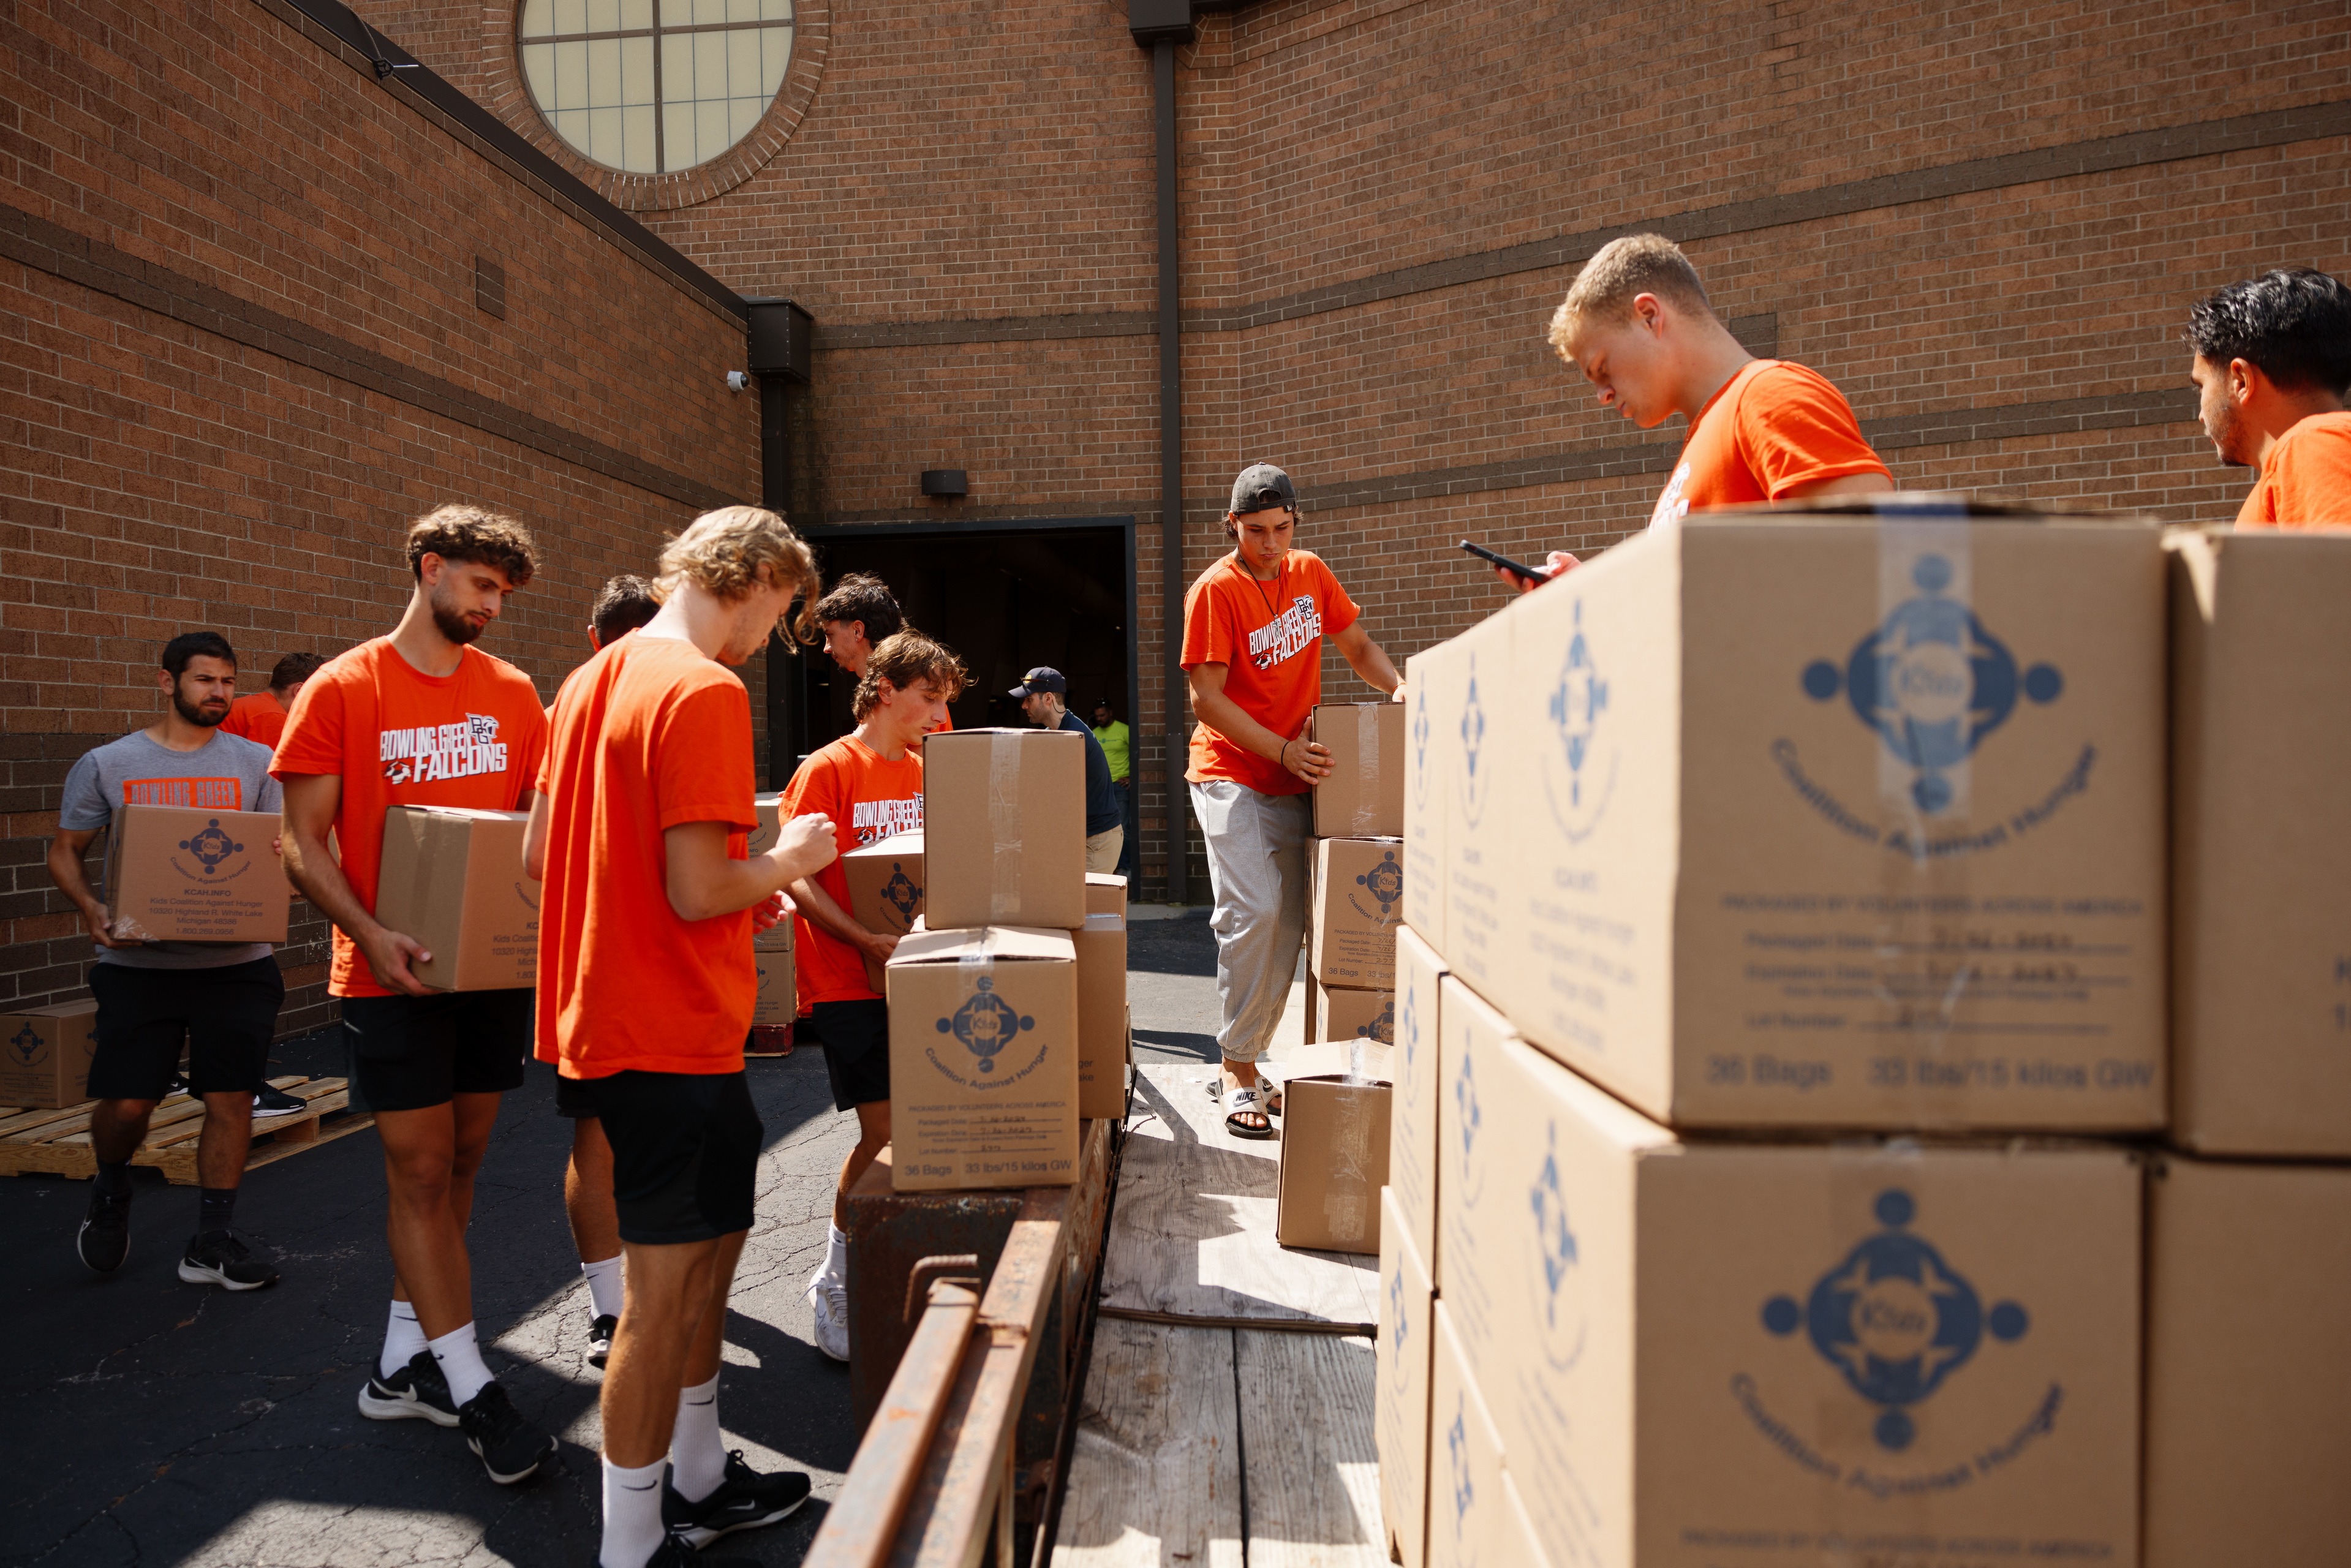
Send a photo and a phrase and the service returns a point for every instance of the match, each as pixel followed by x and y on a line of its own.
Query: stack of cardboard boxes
pixel 1007 995
pixel 1355 874
pixel 1786 966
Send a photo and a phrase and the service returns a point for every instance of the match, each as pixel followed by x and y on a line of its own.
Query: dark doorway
pixel 1005 596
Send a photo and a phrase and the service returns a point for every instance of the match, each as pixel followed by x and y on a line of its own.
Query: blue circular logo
pixel 986 1024
pixel 211 845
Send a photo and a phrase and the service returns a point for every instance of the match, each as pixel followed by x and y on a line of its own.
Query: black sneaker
pixel 509 1448
pixel 417 1390
pixel 177 1084
pixel 600 1339
pixel 269 1101
pixel 105 1234
pixel 676 1551
pixel 220 1259
pixel 744 1499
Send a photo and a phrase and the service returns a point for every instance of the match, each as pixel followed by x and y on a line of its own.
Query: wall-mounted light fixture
pixel 946 483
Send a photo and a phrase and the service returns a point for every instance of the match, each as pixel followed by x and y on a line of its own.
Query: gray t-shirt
pixel 135 770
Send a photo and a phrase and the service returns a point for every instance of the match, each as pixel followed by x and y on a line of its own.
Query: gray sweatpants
pixel 1256 866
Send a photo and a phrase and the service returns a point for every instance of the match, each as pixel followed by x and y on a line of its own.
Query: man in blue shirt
pixel 1043 695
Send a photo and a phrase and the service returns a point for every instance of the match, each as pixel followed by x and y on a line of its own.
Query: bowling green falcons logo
pixel 1579 770
pixel 27 1048
pixel 1895 1319
pixel 211 845
pixel 1557 1279
pixel 1932 682
pixel 986 1024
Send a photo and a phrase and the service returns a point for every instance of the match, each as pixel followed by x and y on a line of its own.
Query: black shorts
pixel 685 1153
pixel 227 1017
pixel 856 1041
pixel 411 1053
pixel 575 1098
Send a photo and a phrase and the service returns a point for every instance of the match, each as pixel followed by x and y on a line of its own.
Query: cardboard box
pixel 1466 1517
pixel 885 884
pixel 45 1055
pixel 2261 845
pixel 1354 1015
pixel 983 1058
pixel 770 812
pixel 1412 1115
pixel 1470 1042
pixel 2249 1375
pixel 453 879
pixel 1105 894
pixel 1829 822
pixel 1481 841
pixel 1334 1160
pixel 183 873
pixel 1101 945
pixel 1400 1399
pixel 1363 796
pixel 1431 752
pixel 1521 1546
pixel 779 998
pixel 1005 813
pixel 1357 893
pixel 1792 1352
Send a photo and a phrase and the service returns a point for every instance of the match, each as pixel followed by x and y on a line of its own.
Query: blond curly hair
pixel 726 552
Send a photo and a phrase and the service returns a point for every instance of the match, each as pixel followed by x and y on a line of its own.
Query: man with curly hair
pixel 2270 358
pixel 870 783
pixel 646 989
pixel 423 718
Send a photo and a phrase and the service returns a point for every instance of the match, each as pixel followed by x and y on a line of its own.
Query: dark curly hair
pixel 902 659
pixel 2294 323
pixel 477 534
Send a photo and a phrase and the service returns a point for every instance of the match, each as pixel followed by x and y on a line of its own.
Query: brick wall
pixel 1984 222
pixel 241 349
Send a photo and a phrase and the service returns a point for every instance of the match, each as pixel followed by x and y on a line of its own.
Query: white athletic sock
pixel 698 1457
pixel 836 1253
pixel 604 1285
pixel 461 1364
pixel 402 1338
pixel 633 1515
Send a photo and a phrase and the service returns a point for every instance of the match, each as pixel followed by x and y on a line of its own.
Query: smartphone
pixel 1525 574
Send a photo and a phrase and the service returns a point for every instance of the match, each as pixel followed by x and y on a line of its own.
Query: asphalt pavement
pixel 151 1422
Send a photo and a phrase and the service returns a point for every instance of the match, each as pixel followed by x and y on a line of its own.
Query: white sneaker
pixel 827 1298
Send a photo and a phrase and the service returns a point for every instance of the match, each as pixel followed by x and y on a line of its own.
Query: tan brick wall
pixel 240 350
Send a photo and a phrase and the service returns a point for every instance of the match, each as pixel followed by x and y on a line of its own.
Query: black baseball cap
pixel 1261 487
pixel 1043 678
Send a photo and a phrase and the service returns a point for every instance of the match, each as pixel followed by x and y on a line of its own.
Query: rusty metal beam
pixel 864 1520
pixel 965 1478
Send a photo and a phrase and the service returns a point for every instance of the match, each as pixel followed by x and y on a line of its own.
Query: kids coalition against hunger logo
pixel 1477 772
pixel 1557 1278
pixel 1933 683
pixel 901 893
pixel 27 1047
pixel 210 846
pixel 1580 768
pixel 424 754
pixel 1896 1321
pixel 985 1023
pixel 1382 885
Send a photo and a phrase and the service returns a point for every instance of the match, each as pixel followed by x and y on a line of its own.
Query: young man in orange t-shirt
pixel 870 784
pixel 1637 323
pixel 2272 364
pixel 421 717
pixel 646 989
pixel 261 717
pixel 1253 630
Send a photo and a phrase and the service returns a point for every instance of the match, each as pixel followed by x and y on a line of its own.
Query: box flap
pixel 997 942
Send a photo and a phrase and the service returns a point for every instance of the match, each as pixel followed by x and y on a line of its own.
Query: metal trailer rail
pixel 932 1485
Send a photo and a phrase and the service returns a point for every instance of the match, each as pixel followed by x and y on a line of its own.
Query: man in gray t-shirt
pixel 221 998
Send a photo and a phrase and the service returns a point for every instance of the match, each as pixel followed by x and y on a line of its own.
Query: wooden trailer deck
pixel 1228 1403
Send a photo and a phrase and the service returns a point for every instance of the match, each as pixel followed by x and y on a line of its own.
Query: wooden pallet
pixel 57 1143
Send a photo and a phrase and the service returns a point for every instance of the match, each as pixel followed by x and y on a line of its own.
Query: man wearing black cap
pixel 1253 630
pixel 1043 695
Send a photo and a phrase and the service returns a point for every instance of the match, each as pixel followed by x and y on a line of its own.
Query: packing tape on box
pixel 1004 825
pixel 1367 771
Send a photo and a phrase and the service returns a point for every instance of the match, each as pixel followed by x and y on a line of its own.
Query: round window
pixel 653 86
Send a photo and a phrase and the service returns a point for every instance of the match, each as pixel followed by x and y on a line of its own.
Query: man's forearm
pixel 66 871
pixel 311 868
pixel 1226 717
pixel 825 915
pixel 1371 662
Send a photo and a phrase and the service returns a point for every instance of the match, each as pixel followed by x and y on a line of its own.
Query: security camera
pixel 736 381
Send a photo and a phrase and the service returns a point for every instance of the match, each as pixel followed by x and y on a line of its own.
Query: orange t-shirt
pixel 1269 636
pixel 398 737
pixel 2307 478
pixel 868 799
pixel 257 717
pixel 649 733
pixel 1772 427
